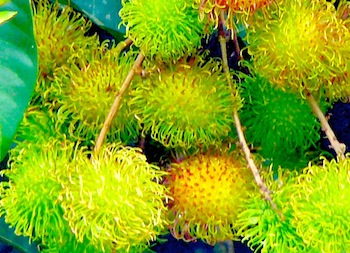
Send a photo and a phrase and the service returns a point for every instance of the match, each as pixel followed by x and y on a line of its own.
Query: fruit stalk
pixel 248 156
pixel 338 147
pixel 115 106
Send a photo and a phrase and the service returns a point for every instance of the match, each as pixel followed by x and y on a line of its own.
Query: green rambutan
pixel 86 94
pixel 30 199
pixel 163 29
pixel 207 192
pixel 301 45
pixel 262 227
pixel 60 36
pixel 115 199
pixel 320 201
pixel 279 124
pixel 186 106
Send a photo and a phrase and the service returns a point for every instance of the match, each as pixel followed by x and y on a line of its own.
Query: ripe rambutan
pixel 207 192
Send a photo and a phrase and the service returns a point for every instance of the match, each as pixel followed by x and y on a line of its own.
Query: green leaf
pixel 21 243
pixel 18 69
pixel 6 15
pixel 104 13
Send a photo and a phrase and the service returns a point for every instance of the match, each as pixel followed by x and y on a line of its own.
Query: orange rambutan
pixel 207 192
pixel 235 11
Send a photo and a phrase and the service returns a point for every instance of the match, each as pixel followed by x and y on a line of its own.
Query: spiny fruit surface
pixel 236 11
pixel 207 192
pixel 279 124
pixel 163 29
pixel 263 228
pixel 302 45
pixel 320 200
pixel 114 199
pixel 29 201
pixel 61 40
pixel 185 106
pixel 86 94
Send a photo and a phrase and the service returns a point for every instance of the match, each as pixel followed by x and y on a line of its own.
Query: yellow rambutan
pixel 207 192
pixel 186 105
pixel 114 199
pixel 86 93
pixel 302 45
pixel 29 200
pixel 60 36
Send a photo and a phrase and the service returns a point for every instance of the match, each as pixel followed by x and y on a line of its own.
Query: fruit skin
pixel 236 12
pixel 29 201
pixel 207 192
pixel 114 199
pixel 164 30
pixel 61 40
pixel 320 201
pixel 185 106
pixel 86 92
pixel 279 124
pixel 301 45
pixel 261 226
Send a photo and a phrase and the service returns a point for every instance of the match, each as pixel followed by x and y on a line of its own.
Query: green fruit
pixel 280 124
pixel 163 29
pixel 114 200
pixel 187 106
pixel 262 227
pixel 320 202
pixel 86 94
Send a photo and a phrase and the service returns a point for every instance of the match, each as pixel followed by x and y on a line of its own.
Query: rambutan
pixel 301 45
pixel 163 29
pixel 186 106
pixel 207 192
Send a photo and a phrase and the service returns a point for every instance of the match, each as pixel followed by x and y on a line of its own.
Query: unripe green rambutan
pixel 262 227
pixel 207 192
pixel 115 199
pixel 29 201
pixel 280 124
pixel 302 45
pixel 86 94
pixel 186 106
pixel 320 202
pixel 59 33
pixel 163 29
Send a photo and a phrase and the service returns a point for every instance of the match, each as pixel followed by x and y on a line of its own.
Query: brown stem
pixel 248 156
pixel 123 44
pixel 115 107
pixel 338 147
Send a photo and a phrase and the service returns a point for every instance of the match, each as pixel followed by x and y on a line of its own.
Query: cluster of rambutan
pixel 114 200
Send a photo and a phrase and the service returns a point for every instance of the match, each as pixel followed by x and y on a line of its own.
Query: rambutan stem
pixel 248 156
pixel 338 147
pixel 115 106
pixel 123 44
